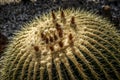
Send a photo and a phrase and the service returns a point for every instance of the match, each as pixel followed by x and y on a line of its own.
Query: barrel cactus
pixel 64 45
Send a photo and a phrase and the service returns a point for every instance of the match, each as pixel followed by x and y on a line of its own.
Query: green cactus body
pixel 64 45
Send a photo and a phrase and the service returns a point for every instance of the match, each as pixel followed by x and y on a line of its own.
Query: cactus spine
pixel 70 44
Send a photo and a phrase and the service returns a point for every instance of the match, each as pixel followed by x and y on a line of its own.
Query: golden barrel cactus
pixel 64 45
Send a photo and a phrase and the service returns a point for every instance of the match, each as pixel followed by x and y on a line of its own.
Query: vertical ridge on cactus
pixel 66 44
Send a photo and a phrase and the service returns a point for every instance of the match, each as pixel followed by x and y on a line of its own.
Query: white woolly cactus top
pixel 67 44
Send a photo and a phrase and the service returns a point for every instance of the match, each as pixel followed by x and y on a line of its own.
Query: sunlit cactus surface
pixel 64 45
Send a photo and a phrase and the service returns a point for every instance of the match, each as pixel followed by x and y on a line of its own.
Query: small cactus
pixel 64 45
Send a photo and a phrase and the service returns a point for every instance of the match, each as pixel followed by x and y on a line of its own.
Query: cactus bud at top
pixel 73 24
pixel 63 19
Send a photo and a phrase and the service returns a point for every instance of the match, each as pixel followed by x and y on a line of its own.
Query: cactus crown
pixel 69 44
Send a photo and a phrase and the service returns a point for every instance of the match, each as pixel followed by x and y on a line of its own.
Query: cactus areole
pixel 64 45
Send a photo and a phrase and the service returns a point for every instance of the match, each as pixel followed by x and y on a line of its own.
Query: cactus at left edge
pixel 64 45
